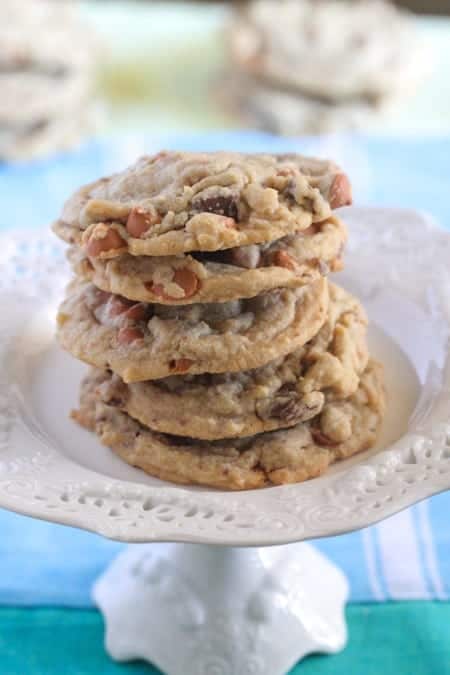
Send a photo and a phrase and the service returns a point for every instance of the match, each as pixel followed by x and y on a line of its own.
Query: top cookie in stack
pixel 201 299
pixel 181 228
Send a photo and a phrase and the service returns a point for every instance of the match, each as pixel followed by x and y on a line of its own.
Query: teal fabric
pixel 392 639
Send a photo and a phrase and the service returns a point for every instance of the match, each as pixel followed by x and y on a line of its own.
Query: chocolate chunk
pixel 289 407
pixel 211 256
pixel 222 205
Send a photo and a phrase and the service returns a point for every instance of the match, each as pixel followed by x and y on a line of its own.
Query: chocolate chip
pixel 116 402
pixel 222 205
pixel 287 408
pixel 211 256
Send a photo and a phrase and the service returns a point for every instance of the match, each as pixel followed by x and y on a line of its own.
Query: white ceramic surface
pixel 201 610
pixel 205 610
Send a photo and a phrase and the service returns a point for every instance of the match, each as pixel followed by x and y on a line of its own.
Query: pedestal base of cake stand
pixel 194 609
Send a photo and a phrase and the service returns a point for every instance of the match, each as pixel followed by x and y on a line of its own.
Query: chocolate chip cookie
pixel 175 202
pixel 219 276
pixel 281 394
pixel 260 104
pixel 47 58
pixel 332 51
pixel 304 451
pixel 141 341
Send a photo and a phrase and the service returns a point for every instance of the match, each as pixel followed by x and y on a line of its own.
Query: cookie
pixel 22 141
pixel 220 276
pixel 281 394
pixel 260 104
pixel 333 51
pixel 47 60
pixel 175 202
pixel 143 341
pixel 302 452
pixel 25 29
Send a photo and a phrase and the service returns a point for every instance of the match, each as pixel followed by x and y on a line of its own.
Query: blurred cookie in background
pixel 282 111
pixel 322 65
pixel 47 59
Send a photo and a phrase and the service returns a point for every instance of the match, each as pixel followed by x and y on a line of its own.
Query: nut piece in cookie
pixel 104 241
pixel 140 221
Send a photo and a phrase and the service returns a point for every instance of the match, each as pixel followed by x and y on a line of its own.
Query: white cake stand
pixel 210 609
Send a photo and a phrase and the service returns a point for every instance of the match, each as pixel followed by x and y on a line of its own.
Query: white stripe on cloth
pixel 403 573
pixel 429 551
pixel 373 574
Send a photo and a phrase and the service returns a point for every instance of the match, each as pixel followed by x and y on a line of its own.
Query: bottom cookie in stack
pixel 283 422
pixel 286 456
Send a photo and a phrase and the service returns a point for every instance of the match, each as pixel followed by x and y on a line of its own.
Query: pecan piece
pixel 283 259
pixel 340 191
pixel 180 365
pixel 128 335
pixel 187 280
pixel 137 312
pixel 311 230
pixel 117 305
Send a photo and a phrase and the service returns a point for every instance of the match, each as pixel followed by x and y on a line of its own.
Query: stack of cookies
pixel 47 58
pixel 221 354
pixel 313 66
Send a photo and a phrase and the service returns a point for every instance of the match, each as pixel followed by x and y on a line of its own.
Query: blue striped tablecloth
pixel 406 556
